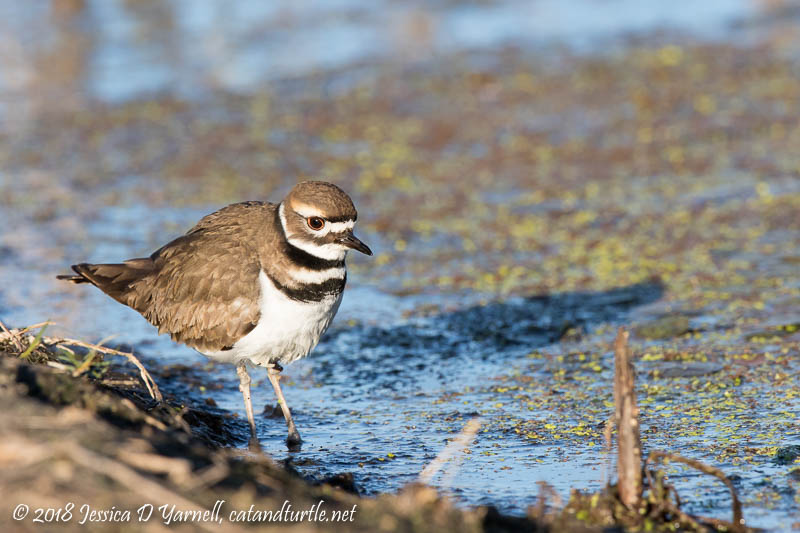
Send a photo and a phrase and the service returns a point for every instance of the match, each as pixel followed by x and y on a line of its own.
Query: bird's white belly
pixel 287 329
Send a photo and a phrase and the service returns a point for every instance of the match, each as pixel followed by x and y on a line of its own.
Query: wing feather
pixel 201 288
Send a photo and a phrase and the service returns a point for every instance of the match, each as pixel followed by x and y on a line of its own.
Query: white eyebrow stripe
pixel 330 227
pixel 308 213
pixel 340 227
pixel 304 275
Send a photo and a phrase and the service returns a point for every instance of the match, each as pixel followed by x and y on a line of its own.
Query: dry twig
pixel 87 362
pixel 546 491
pixel 13 336
pixel 736 507
pixel 152 388
pixel 463 440
pixel 26 329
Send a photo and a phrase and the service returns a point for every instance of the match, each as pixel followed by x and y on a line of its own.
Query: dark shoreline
pixel 87 441
pixel 101 456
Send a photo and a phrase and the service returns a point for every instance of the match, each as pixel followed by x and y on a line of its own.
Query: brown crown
pixel 326 199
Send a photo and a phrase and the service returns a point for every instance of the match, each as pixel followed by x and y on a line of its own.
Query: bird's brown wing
pixel 202 292
pixel 201 288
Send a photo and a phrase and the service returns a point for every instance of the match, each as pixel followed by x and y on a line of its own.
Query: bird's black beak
pixel 351 241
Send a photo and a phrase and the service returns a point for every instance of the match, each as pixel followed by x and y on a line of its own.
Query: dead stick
pixel 14 338
pixel 683 517
pixel 462 441
pixel 736 506
pixel 608 432
pixel 26 329
pixel 629 446
pixel 149 382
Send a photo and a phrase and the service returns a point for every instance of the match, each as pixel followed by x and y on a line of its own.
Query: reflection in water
pixel 44 58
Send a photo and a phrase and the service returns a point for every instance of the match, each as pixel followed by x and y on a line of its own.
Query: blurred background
pixel 514 134
pixel 497 150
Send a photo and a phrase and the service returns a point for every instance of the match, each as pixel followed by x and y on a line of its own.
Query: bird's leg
pixel 273 372
pixel 244 387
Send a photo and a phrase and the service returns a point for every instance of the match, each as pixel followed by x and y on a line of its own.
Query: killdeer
pixel 251 284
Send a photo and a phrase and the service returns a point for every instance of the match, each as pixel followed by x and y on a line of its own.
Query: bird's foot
pixel 153 403
pixel 254 446
pixel 294 442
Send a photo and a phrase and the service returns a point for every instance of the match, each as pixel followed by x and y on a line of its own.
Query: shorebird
pixel 253 284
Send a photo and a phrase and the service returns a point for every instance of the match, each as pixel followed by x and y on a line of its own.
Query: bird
pixel 254 284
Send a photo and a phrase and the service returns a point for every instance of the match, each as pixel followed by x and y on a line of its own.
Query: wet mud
pixel 68 440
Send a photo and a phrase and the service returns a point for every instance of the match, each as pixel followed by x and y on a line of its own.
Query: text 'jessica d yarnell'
pixel 170 513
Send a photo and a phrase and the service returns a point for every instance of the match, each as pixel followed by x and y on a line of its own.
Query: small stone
pixel 666 327
pixel 787 454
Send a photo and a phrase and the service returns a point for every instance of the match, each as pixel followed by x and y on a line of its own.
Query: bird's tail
pixel 114 279
pixel 80 278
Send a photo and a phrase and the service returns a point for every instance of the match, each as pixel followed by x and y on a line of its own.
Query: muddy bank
pixel 88 444
pixel 97 453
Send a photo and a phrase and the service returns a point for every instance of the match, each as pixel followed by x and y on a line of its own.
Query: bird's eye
pixel 315 223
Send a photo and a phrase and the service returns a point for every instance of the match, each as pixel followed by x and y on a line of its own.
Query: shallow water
pixel 183 47
pixel 588 177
